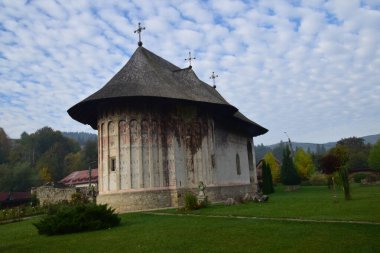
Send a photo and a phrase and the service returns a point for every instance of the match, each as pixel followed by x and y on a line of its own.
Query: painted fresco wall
pixel 146 149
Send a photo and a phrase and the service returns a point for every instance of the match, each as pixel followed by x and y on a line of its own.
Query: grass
pixel 144 232
pixel 310 202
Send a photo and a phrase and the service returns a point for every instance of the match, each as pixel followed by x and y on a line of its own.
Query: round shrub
pixel 358 177
pixel 370 178
pixel 191 202
pixel 318 179
pixel 78 197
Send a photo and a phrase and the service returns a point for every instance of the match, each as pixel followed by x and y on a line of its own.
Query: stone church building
pixel 161 132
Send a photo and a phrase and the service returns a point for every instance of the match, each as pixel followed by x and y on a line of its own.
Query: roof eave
pixel 86 111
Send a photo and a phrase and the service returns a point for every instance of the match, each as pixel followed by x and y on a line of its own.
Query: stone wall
pixel 166 198
pixel 51 195
pixel 139 200
pixel 219 193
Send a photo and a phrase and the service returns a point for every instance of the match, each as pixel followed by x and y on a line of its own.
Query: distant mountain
pixel 371 139
pixel 313 147
pixel 81 137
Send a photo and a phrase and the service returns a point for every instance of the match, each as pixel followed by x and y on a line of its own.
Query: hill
pixel 81 137
pixel 312 147
pixel 371 139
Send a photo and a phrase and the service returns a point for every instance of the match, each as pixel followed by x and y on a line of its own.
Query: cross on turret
pixel 213 76
pixel 139 30
pixel 189 59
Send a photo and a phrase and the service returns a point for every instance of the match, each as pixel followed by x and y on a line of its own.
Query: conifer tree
pixel 274 166
pixel 374 157
pixel 289 175
pixel 267 179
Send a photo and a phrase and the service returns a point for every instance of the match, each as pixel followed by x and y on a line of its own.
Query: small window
pixel 250 156
pixel 113 163
pixel 238 171
pixel 213 161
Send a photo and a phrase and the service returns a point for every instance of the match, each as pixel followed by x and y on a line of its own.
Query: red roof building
pixel 80 178
pixel 9 199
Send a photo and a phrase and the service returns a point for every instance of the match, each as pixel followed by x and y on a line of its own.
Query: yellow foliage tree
pixel 45 175
pixel 274 166
pixel 304 164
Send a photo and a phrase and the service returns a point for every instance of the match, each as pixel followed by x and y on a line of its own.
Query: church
pixel 161 132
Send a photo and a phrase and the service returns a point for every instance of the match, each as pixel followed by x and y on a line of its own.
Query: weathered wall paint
pixel 168 148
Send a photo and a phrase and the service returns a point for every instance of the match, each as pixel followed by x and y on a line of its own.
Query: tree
pixel 352 143
pixel 74 162
pixel 304 164
pixel 90 151
pixel 320 149
pixel 45 138
pixel 342 154
pixel 273 165
pixel 357 152
pixel 317 156
pixel 52 161
pixel 23 150
pixel 374 157
pixel 17 177
pixel 45 175
pixel 278 150
pixel 289 174
pixel 35 157
pixel 24 176
pixel 5 146
pixel 6 178
pixel 267 179
pixel 82 159
pixel 260 151
pixel 336 161
pixel 329 163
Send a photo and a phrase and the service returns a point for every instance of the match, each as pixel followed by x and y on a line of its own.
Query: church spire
pixel 139 30
pixel 213 76
pixel 189 59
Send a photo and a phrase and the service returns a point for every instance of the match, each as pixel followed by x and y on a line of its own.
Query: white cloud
pixel 310 69
pixel 228 8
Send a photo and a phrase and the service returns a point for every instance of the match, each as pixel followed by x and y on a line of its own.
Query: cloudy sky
pixel 310 68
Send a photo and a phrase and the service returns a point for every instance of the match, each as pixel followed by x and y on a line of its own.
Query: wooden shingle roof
pixel 146 75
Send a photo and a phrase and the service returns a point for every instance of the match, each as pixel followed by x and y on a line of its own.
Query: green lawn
pixel 144 232
pixel 310 202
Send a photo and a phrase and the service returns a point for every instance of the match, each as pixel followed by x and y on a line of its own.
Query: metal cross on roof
pixel 213 76
pixel 189 59
pixel 139 30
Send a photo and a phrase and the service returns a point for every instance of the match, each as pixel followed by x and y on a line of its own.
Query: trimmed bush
pixel 370 178
pixel 191 202
pixel 78 197
pixel 358 177
pixel 77 218
pixel 318 179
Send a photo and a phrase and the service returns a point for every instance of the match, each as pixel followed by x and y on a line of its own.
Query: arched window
pixel 238 171
pixel 113 163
